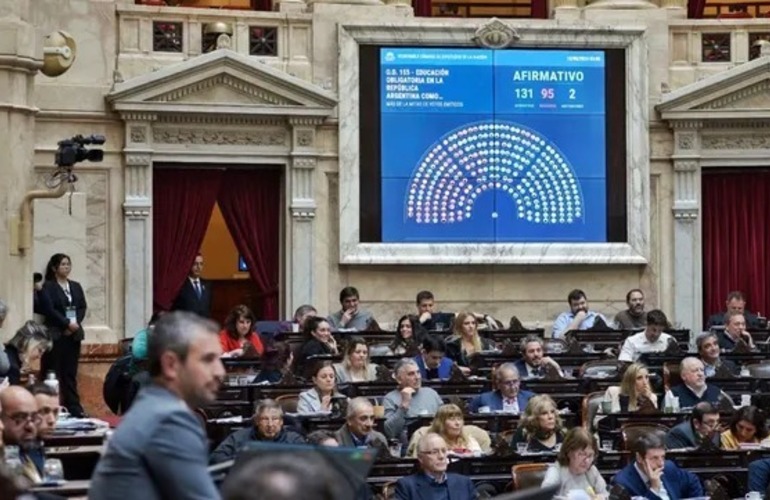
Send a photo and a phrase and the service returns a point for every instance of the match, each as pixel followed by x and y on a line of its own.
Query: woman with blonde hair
pixel 540 426
pixel 355 366
pixel 450 425
pixel 465 340
pixel 634 391
pixel 574 468
pixel 24 350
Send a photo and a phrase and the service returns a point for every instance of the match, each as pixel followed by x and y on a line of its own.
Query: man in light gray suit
pixel 159 450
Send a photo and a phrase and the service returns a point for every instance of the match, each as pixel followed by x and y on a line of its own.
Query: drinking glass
pixel 54 470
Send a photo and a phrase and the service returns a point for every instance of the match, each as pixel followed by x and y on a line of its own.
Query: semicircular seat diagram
pixel 491 155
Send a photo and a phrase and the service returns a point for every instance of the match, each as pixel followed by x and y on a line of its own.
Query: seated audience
pixel 238 337
pixel 358 430
pixel 634 390
pixel 351 316
pixel 276 362
pixel 735 330
pixel 266 425
pixel 508 396
pixel 694 388
pixel 322 437
pixel 450 425
pixel 747 426
pixel 160 449
pixel 409 336
pixel 540 426
pixel 425 305
pixel 318 341
pixel 355 366
pixel 465 340
pixel 25 348
pixel 579 317
pixel 432 362
pixel 652 476
pixel 48 408
pixel 652 339
pixel 409 400
pixel 533 363
pixel 574 468
pixel 20 419
pixel 707 344
pixel 735 304
pixel 635 316
pixel 320 398
pixel 703 425
pixel 301 315
pixel 433 482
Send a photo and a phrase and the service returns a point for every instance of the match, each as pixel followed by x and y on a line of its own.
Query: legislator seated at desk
pixel 465 340
pixel 579 317
pixel 409 399
pixel 540 427
pixel 19 410
pixel 533 362
pixel 747 426
pixel 734 332
pixel 355 366
pixel 322 396
pixel 574 468
pixel 652 339
pixel 433 482
pixel 358 431
pixel 352 316
pixel 450 425
pixel 694 388
pixel 709 351
pixel 703 425
pixel 635 316
pixel 735 304
pixel 634 392
pixel 408 337
pixel 318 342
pixel 653 477
pixel 267 425
pixel 508 397
pixel 432 361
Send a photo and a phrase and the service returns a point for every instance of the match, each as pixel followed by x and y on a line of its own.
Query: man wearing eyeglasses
pixel 702 426
pixel 20 418
pixel 433 482
pixel 508 397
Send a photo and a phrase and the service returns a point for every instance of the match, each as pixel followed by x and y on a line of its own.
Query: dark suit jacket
pixel 158 452
pixel 719 320
pixel 688 399
pixel 56 303
pixel 374 440
pixel 418 487
pixel 683 436
pixel 494 400
pixel 187 299
pixel 678 483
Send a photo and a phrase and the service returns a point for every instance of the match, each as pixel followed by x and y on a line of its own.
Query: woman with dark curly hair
pixel 239 338
pixel 540 426
pixel 746 427
pixel 409 335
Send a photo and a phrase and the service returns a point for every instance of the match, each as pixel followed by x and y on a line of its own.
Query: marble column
pixel 137 205
pixel 302 206
pixel 19 62
pixel 688 257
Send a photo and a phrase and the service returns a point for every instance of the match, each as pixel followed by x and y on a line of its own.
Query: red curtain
pixel 539 9
pixel 695 8
pixel 251 207
pixel 422 8
pixel 736 238
pixel 182 202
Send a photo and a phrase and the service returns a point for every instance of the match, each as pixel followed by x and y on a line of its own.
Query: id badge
pixel 72 314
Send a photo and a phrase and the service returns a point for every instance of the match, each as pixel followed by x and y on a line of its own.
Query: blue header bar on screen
pixel 435 57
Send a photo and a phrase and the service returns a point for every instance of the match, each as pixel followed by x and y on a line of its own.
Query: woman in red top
pixel 238 332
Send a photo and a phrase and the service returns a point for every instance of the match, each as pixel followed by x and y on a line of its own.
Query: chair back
pixel 671 375
pixel 388 491
pixel 288 402
pixel 528 475
pixel 631 431
pixel 480 435
pixel 590 408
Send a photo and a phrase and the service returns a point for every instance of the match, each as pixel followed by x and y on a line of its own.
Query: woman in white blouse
pixel 574 468
pixel 634 391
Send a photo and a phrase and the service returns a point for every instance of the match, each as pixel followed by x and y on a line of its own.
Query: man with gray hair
pixel 302 313
pixel 693 388
pixel 507 397
pixel 358 431
pixel 533 362
pixel 409 400
pixel 267 425
pixel 160 449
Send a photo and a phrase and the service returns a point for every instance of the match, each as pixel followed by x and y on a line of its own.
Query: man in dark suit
pixel 160 449
pixel 652 476
pixel 433 481
pixel 533 362
pixel 358 431
pixel 508 397
pixel 735 303
pixel 702 426
pixel 195 294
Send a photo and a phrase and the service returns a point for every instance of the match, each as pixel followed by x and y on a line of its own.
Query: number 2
pixel 571 93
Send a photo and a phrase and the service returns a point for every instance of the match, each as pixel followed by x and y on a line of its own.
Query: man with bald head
pixel 20 418
pixel 358 431
pixel 694 388
pixel 433 482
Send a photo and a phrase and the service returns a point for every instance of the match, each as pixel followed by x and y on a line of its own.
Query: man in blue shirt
pixel 433 482
pixel 578 317
pixel 432 362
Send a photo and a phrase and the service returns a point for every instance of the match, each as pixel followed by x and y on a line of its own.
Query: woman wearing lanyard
pixel 64 317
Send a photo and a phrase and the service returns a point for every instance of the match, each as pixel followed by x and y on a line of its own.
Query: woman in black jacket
pixel 65 311
pixel 27 346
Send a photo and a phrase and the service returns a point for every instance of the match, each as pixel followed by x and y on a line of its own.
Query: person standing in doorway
pixel 65 310
pixel 195 294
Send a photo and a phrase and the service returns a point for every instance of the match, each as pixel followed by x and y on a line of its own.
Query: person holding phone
pixel 652 476
pixel 352 316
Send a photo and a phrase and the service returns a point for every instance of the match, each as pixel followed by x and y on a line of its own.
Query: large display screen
pixel 491 145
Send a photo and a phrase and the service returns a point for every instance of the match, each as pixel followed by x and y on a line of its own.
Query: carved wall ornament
pixel 686 214
pixel 138 134
pixel 135 213
pixel 303 214
pixel 686 141
pixel 256 93
pixel 220 137
pixel 752 141
pixel 304 162
pixel 305 138
pixel 686 166
pixel 138 159
pixel 495 34
pixel 224 41
pixel 749 97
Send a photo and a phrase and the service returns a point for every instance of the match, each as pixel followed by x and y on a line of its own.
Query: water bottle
pixel 13 460
pixel 51 381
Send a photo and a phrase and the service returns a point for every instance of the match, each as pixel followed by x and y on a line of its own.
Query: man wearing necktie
pixel 195 294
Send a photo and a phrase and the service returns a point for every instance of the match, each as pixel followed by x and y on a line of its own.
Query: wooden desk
pixel 69 489
pixel 79 462
pixel 95 438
